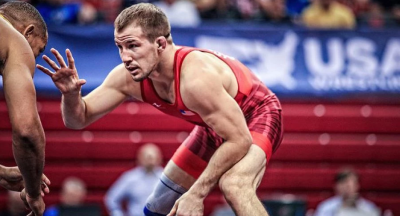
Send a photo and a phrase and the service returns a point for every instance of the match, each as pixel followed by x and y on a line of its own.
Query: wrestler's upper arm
pixel 18 84
pixel 202 91
pixel 111 93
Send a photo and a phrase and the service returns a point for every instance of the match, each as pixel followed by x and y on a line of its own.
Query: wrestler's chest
pixel 166 93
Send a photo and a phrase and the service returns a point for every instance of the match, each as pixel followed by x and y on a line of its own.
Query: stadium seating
pixel 319 139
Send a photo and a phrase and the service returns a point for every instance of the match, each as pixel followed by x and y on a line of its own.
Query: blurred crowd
pixel 325 14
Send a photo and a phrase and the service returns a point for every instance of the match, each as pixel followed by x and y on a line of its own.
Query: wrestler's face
pixel 37 44
pixel 138 54
pixel 36 41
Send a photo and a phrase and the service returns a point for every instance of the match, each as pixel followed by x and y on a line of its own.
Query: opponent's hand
pixel 36 205
pixel 11 178
pixel 64 77
pixel 188 204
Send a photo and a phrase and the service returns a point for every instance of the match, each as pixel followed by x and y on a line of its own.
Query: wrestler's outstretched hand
pixel 65 77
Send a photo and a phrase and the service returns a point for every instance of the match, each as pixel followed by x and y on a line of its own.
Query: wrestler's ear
pixel 161 43
pixel 28 31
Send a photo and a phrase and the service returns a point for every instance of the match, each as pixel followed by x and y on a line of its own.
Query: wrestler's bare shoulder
pixel 5 34
pixel 200 65
pixel 122 80
pixel 10 37
pixel 13 47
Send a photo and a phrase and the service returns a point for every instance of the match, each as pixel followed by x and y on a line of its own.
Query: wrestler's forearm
pixel 227 155
pixel 73 111
pixel 28 149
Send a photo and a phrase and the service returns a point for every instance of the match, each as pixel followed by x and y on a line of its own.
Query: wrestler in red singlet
pixel 260 107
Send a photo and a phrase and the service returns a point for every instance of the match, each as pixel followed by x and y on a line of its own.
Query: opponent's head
pixel 142 32
pixel 28 21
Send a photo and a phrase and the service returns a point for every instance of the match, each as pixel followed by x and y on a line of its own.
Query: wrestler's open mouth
pixel 132 70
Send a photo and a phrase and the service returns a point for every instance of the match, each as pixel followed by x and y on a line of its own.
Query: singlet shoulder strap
pixel 179 57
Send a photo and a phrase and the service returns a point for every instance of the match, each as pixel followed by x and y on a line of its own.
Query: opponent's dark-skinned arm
pixel 27 132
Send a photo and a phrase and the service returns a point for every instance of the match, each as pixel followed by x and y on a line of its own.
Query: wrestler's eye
pixel 131 46
pixel 119 46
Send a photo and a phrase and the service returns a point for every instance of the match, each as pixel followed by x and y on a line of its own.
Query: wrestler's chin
pixel 139 78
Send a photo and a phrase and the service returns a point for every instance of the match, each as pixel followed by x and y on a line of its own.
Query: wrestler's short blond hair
pixel 151 19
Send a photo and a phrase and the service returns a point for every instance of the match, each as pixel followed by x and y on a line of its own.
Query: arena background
pixel 340 92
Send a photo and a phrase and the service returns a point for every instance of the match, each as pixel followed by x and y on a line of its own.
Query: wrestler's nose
pixel 126 58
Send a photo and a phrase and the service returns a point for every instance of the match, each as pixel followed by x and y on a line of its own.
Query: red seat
pixel 344 148
pixel 333 118
pixel 277 177
pixel 339 118
pixel 319 139
pixel 128 116
pixel 305 147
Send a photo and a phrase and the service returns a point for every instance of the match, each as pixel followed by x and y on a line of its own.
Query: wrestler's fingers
pixel 173 210
pixel 59 58
pixel 51 63
pixel 45 189
pixel 63 73
pixel 71 61
pixel 23 198
pixel 81 82
pixel 31 214
pixel 45 182
pixel 45 179
pixel 44 70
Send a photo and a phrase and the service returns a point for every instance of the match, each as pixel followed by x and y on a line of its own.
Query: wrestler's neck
pixel 164 72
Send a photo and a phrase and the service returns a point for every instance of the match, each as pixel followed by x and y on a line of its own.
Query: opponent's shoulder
pixel 6 30
pixel 14 48
pixel 11 38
